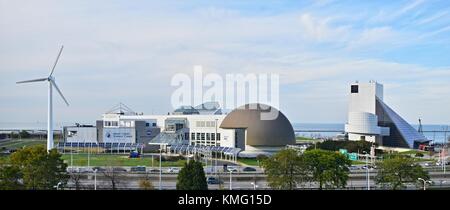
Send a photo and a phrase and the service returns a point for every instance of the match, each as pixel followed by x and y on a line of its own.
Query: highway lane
pixel 241 181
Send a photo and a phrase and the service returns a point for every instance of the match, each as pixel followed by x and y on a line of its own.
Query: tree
pixel 112 174
pixel 397 170
pixel 285 170
pixel 10 177
pixel 327 168
pixel 260 158
pixel 146 184
pixel 40 170
pixel 350 146
pixel 75 177
pixel 192 177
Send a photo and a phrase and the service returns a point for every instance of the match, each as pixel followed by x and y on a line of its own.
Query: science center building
pixel 242 131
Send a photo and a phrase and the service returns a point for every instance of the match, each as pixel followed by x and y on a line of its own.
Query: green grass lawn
pixel 248 161
pixel 15 144
pixel 303 138
pixel 20 143
pixel 117 160
pixel 413 152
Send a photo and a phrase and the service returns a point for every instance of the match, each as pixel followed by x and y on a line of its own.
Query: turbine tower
pixel 51 83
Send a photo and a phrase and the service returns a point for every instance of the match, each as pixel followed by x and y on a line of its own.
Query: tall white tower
pixel 362 117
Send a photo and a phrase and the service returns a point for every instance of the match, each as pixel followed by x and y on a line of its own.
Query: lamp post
pixel 57 185
pixel 254 185
pixel 215 153
pixel 231 180
pixel 424 183
pixel 160 168
pixel 89 154
pixel 367 170
pixel 444 156
pixel 71 157
pixel 95 179
pixel 442 182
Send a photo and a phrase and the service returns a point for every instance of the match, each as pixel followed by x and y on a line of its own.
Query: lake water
pixel 436 136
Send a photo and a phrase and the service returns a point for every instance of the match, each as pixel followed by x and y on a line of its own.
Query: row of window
pixel 204 124
pixel 202 136
pixel 208 143
pixel 120 123
pixel 110 123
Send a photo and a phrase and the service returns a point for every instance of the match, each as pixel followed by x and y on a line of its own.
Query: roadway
pixel 239 181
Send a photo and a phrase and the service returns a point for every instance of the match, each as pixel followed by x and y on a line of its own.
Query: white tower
pixel 362 117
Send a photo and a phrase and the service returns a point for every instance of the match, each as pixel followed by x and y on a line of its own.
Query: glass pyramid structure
pixel 402 134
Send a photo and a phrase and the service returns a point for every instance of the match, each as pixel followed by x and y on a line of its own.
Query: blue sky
pixel 127 51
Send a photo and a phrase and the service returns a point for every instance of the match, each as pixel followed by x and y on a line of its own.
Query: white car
pixel 173 170
pixel 232 169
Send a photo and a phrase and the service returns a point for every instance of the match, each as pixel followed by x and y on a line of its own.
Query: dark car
pixel 138 169
pixel 154 171
pixel 119 170
pixel 213 180
pixel 249 169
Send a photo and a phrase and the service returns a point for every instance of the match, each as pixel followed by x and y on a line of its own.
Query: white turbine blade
pixel 59 91
pixel 33 80
pixel 56 61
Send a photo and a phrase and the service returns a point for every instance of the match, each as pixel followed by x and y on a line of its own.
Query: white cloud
pixel 320 30
pixel 373 37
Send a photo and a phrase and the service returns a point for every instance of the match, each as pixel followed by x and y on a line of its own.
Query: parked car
pixel 154 171
pixel 138 169
pixel 85 170
pixel 247 169
pixel 99 169
pixel 355 167
pixel 213 180
pixel 119 170
pixel 232 169
pixel 173 170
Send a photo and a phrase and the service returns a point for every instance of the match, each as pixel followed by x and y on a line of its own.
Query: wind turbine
pixel 51 83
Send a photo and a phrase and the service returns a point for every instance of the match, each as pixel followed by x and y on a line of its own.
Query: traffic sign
pixel 353 156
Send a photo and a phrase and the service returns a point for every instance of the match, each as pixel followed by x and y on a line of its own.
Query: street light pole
pixel 57 185
pixel 231 180
pixel 254 185
pixel 215 153
pixel 160 168
pixel 424 182
pixel 367 170
pixel 443 149
pixel 89 156
pixel 95 179
pixel 71 158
